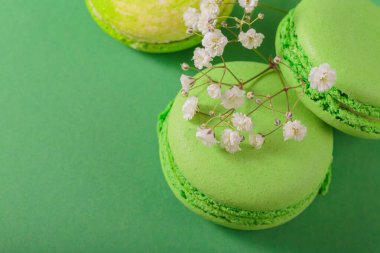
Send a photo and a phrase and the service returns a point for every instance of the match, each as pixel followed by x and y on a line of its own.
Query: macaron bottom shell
pixel 218 213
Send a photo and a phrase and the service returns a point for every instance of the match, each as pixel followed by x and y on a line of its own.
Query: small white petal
pixel 241 122
pixel 322 78
pixel 256 140
pixel 207 136
pixel 189 108
pixel 294 130
pixel 248 5
pixel 191 18
pixel 230 140
pixel 210 8
pixel 251 39
pixel 214 43
pixel 214 91
pixel 186 82
pixel 233 98
pixel 201 58
pixel 206 24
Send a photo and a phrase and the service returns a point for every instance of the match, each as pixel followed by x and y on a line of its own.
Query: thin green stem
pixel 260 55
pixel 256 76
pixel 274 130
pixel 224 117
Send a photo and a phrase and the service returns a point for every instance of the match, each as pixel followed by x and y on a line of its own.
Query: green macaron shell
pixel 150 26
pixel 353 104
pixel 252 189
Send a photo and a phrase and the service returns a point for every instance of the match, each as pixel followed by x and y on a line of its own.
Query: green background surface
pixel 79 166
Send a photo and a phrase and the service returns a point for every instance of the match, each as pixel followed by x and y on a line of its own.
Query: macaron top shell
pixel 346 35
pixel 274 177
pixel 151 21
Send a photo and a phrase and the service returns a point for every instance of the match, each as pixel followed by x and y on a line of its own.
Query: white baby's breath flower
pixel 294 130
pixel 248 5
pixel 210 8
pixel 233 98
pixel 214 42
pixel 191 18
pixel 189 108
pixel 230 140
pixel 322 78
pixel 201 58
pixel 214 91
pixel 206 135
pixel 241 121
pixel 186 82
pixel 251 39
pixel 256 140
pixel 206 24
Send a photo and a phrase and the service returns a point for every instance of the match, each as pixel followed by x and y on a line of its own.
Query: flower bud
pixel 185 66
pixel 261 16
pixel 289 115
pixel 250 95
pixel 277 60
pixel 184 93
pixel 277 122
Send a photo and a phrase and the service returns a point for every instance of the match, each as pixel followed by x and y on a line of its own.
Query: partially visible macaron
pixel 345 35
pixel 250 189
pixel 154 26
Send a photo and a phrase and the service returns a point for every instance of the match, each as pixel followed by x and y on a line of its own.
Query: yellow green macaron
pixel 155 26
pixel 254 188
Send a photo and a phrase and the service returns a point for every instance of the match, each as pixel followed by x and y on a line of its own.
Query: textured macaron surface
pixel 276 177
pixel 315 33
pixel 345 34
pixel 154 21
pixel 154 26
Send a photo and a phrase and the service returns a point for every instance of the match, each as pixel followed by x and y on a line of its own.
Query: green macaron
pixel 154 26
pixel 251 189
pixel 346 35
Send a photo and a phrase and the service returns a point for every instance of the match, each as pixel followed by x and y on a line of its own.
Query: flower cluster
pixel 214 41
pixel 231 96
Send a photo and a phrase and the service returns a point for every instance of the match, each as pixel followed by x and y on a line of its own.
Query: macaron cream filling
pixel 195 198
pixel 335 102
